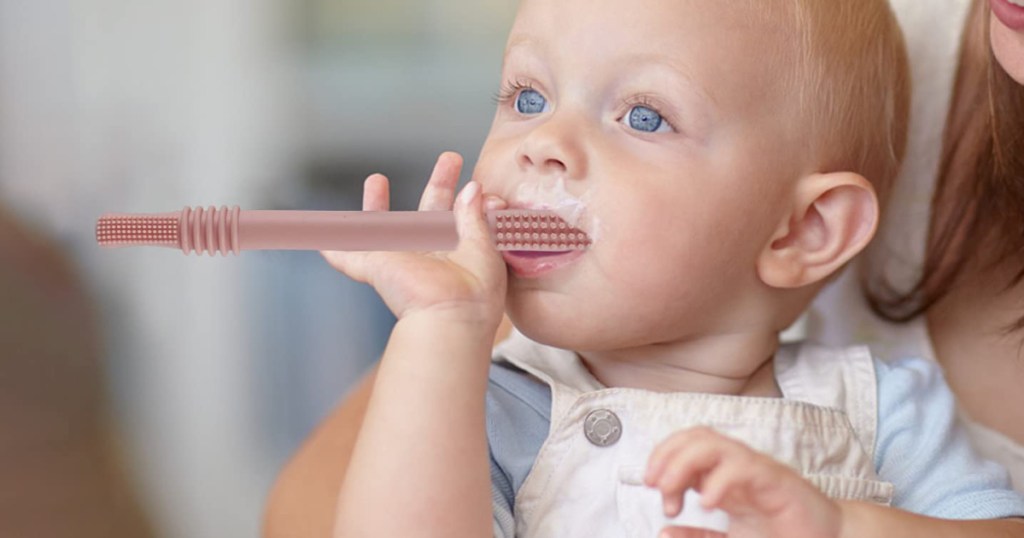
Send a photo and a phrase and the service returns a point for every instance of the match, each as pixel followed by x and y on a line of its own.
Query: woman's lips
pixel 534 264
pixel 1012 16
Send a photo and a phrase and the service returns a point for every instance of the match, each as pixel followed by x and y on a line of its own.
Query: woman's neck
pixel 969 330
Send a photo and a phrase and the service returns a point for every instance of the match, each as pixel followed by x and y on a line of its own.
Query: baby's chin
pixel 564 329
pixel 550 335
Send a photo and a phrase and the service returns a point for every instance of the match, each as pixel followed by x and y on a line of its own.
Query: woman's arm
pixel 863 519
pixel 303 500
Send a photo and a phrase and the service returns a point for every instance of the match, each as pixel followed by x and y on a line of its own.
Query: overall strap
pixel 837 378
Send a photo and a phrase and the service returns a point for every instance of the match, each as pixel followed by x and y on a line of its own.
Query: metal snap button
pixel 602 427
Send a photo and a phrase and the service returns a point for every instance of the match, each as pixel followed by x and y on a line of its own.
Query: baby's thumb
pixel 469 217
pixel 472 224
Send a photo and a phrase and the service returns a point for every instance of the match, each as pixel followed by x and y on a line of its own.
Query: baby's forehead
pixel 718 43
pixel 757 27
pixel 750 15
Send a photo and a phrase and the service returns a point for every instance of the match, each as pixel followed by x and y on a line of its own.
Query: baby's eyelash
pixel 641 100
pixel 509 89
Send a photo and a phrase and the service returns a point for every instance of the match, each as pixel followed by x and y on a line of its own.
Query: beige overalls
pixel 587 478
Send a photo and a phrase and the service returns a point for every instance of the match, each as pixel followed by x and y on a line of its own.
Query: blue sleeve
pixel 925 452
pixel 518 419
pixel 501 502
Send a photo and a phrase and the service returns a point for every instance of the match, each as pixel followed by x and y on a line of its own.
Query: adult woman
pixel 957 282
pixel 302 502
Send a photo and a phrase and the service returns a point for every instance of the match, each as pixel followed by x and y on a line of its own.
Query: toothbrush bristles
pixel 123 230
pixel 537 231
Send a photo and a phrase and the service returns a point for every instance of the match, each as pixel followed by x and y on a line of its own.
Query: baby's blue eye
pixel 530 102
pixel 644 119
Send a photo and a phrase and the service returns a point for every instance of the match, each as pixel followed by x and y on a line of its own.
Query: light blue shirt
pixel 920 446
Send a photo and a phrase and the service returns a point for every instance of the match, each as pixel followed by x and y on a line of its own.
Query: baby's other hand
pixel 468 283
pixel 763 497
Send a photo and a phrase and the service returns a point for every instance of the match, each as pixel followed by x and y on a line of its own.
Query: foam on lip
pixel 551 194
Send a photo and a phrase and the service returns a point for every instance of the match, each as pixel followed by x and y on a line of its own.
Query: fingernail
pixel 469 193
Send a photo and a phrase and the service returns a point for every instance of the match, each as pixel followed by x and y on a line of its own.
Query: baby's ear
pixel 832 218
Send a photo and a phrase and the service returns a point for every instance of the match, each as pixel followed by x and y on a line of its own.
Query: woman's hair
pixel 978 206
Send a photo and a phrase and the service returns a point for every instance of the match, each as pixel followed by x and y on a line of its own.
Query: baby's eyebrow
pixel 515 42
pixel 682 70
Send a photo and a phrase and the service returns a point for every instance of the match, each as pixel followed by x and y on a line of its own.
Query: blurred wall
pixel 217 368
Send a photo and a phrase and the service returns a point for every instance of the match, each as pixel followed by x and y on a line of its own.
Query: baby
pixel 726 159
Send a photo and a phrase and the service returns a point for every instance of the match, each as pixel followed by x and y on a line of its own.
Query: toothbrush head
pixel 116 230
pixel 530 230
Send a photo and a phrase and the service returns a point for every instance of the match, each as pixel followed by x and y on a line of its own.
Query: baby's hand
pixel 468 283
pixel 764 498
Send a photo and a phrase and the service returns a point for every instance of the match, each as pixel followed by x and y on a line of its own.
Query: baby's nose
pixel 554 148
pixel 546 163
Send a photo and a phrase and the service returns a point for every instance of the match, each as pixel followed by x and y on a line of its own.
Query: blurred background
pixel 148 393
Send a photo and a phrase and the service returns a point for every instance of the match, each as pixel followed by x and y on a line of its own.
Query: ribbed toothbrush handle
pixel 210 230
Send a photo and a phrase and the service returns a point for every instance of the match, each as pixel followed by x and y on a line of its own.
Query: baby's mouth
pixel 533 254
pixel 536 264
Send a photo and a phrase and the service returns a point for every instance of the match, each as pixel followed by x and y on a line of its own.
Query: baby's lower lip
pixel 526 264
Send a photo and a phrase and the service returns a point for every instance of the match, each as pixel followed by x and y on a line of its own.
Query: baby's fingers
pixel 688 532
pixel 733 478
pixel 476 246
pixel 376 195
pixel 683 472
pixel 493 202
pixel 477 251
pixel 351 264
pixel 440 190
pixel 662 455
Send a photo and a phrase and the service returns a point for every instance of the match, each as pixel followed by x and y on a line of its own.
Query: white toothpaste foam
pixel 552 195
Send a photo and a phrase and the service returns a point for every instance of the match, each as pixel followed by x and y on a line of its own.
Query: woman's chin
pixel 1008 46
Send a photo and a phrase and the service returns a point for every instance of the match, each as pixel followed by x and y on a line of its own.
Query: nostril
pixel 556 164
pixel 549 155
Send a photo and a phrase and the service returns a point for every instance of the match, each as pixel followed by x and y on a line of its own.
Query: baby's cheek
pixel 663 262
pixel 485 173
pixel 495 165
pixel 635 261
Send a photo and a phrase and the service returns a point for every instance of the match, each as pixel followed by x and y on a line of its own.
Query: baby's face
pixel 660 127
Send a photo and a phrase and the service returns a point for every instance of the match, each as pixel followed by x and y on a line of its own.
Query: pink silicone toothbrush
pixel 227 230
